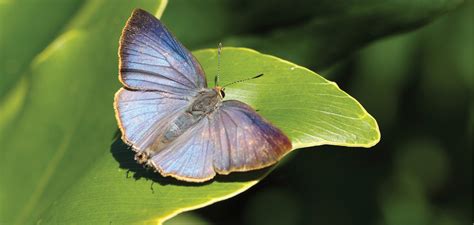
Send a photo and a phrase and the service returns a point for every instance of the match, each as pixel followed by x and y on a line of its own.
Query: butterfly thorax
pixel 205 102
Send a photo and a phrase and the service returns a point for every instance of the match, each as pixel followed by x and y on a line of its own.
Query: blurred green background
pixel 416 81
pixel 409 63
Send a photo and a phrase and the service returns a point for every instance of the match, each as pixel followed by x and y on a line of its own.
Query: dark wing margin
pixel 244 140
pixel 150 58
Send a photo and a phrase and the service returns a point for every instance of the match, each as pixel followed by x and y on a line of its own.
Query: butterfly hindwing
pixel 244 140
pixel 190 156
pixel 232 138
pixel 152 59
pixel 143 115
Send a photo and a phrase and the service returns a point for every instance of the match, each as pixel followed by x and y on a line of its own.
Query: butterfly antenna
pixel 238 81
pixel 219 50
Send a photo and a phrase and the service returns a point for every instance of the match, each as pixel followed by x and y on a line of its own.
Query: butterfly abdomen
pixel 179 126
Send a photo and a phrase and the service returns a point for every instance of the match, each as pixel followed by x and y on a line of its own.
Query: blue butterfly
pixel 174 122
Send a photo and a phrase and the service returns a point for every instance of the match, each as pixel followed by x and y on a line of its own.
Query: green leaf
pixel 23 35
pixel 310 110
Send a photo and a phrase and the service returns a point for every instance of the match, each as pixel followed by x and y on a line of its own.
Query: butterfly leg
pixel 151 187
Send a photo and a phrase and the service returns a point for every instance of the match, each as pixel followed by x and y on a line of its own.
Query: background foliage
pixel 417 84
pixel 416 80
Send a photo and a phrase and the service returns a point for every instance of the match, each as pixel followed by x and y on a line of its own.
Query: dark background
pixel 408 63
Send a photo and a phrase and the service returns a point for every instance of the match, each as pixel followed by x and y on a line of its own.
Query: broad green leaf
pixel 67 120
pixel 308 108
pixel 23 35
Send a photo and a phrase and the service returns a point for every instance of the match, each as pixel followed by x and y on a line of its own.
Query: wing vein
pixel 144 34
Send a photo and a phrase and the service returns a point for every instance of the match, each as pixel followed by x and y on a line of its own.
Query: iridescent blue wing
pixel 143 115
pixel 152 59
pixel 233 138
pixel 189 157
pixel 244 140
pixel 160 77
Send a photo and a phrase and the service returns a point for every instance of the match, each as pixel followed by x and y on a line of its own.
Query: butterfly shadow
pixel 124 155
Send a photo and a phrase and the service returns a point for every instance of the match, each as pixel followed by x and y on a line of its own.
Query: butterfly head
pixel 220 91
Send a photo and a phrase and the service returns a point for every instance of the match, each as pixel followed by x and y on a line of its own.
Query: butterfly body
pixel 174 122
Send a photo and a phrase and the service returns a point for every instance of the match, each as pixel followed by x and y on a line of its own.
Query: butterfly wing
pixel 244 140
pixel 189 157
pixel 143 115
pixel 152 59
pixel 233 138
pixel 160 77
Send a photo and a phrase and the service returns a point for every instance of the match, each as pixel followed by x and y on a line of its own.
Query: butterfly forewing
pixel 152 59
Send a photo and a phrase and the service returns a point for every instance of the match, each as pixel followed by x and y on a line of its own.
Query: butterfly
pixel 174 122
